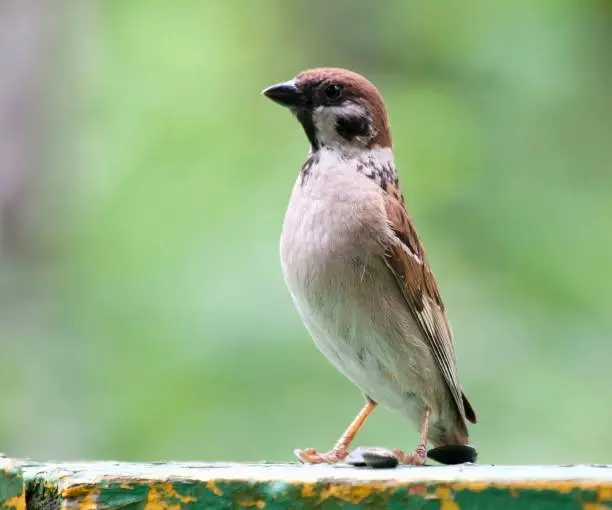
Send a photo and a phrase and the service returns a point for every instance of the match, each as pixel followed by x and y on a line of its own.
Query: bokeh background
pixel 143 182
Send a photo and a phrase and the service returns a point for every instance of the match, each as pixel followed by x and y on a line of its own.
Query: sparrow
pixel 357 272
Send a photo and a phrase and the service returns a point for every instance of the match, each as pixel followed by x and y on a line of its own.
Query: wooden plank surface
pixel 112 485
pixel 12 488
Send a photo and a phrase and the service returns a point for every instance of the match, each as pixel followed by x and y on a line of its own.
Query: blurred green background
pixel 143 183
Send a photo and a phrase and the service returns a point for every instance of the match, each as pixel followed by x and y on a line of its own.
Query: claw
pixel 416 458
pixel 311 456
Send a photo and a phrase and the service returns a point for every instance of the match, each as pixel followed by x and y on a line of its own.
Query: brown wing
pixel 406 260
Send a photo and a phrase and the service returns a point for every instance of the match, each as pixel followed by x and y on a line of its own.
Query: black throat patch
pixel 304 116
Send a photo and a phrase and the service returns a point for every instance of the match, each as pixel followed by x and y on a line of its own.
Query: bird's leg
pixel 341 449
pixel 419 455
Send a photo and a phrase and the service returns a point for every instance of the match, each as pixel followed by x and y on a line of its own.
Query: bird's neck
pixel 376 164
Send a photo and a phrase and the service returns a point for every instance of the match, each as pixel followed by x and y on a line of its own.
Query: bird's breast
pixel 333 236
pixel 332 252
pixel 331 218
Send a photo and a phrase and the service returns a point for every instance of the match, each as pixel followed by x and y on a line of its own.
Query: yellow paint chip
pixel 252 504
pixel 154 500
pixel 605 493
pixel 212 487
pixel 447 501
pixel 160 494
pixel 83 497
pixel 308 490
pixel 170 490
pixel 90 501
pixel 560 486
pixel 594 506
pixel 16 502
pixel 73 491
pixel 472 486
pixel 350 493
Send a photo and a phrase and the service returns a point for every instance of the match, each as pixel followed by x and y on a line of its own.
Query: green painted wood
pixel 12 487
pixel 175 485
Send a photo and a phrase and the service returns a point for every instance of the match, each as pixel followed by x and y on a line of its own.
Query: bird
pixel 357 272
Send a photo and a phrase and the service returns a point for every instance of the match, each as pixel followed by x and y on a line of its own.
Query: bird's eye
pixel 333 91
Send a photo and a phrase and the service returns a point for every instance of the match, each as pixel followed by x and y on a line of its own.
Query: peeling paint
pixel 15 502
pixel 308 490
pixel 605 493
pixel 277 487
pixel 163 495
pixel 349 493
pixel 447 501
pixel 81 497
pixel 12 485
pixel 252 504
pixel 418 490
pixel 212 487
pixel 170 493
pixel 156 501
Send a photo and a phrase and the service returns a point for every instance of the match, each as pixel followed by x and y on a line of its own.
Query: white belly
pixel 357 326
pixel 332 259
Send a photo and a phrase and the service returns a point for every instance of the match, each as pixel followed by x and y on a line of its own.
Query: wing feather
pixel 407 262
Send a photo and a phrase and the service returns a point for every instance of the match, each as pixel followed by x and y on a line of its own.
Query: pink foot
pixel 311 456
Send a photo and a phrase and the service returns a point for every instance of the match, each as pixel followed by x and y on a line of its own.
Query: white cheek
pixel 325 119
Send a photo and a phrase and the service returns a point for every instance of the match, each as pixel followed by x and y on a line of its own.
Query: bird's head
pixel 338 109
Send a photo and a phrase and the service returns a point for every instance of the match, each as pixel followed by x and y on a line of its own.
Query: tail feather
pixel 453 435
pixel 451 442
pixel 470 414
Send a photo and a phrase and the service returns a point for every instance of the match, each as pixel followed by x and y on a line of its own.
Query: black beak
pixel 286 94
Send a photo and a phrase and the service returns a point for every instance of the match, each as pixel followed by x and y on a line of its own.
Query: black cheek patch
pixel 349 127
